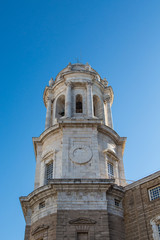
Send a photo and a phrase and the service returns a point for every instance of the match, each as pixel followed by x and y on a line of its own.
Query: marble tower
pixel 79 179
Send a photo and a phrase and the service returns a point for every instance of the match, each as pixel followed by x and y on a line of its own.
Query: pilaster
pixel 68 100
pixel 108 112
pixel 89 100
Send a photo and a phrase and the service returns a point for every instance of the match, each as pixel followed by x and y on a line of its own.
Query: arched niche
pixel 60 107
pixel 79 103
pixel 97 107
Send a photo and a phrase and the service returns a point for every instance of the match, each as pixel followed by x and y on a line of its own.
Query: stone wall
pixel 44 229
pixel 69 225
pixel 139 211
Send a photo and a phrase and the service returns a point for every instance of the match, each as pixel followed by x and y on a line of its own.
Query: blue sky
pixel 119 38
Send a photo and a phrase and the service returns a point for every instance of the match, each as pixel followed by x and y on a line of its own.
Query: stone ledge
pixel 143 180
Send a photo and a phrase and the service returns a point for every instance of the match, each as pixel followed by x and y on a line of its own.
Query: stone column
pixel 38 167
pixel 48 114
pixel 108 113
pixel 68 100
pixel 89 100
pixel 53 112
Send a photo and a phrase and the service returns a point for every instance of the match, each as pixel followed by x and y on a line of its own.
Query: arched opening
pixel 97 107
pixel 79 104
pixel 60 107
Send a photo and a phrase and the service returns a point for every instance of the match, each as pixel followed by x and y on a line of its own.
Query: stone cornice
pixel 109 131
pixel 61 77
pixel 43 135
pixel 36 195
pixel 80 122
pixel 60 185
pixel 109 152
pixel 69 72
pixel 143 180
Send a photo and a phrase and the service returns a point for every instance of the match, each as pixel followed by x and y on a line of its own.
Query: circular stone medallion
pixel 80 154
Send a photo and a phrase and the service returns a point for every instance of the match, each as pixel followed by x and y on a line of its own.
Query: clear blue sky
pixel 119 38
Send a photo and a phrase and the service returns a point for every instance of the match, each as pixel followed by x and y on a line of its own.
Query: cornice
pixel 36 195
pixel 60 78
pixel 71 71
pixel 60 185
pixel 44 134
pixel 78 123
pixel 109 131
pixel 51 89
pixel 142 181
pixel 111 153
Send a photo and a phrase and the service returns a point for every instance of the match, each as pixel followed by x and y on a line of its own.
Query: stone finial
pixel 69 66
pixel 105 82
pixel 51 82
pixel 87 66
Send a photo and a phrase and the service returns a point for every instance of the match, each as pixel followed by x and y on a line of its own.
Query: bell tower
pixel 79 175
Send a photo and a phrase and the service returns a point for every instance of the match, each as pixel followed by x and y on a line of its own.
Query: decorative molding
pixel 82 220
pixel 154 223
pixel 89 83
pixel 111 153
pixel 68 83
pixel 107 99
pixel 47 155
pixel 40 228
pixel 80 154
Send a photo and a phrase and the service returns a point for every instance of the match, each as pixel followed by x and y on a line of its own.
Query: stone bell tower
pixel 79 162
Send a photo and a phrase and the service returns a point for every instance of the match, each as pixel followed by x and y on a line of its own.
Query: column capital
pixel 69 83
pixel 89 83
pixel 49 98
pixel 107 99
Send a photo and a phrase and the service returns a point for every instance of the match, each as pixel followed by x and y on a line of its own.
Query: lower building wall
pixel 116 227
pixel 77 225
pixel 44 228
pixel 27 232
pixel 139 211
pixel 71 225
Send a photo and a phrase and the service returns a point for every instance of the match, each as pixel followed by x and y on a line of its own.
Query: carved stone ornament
pixel 80 154
pixel 39 228
pixel 48 154
pixel 107 99
pixel 78 221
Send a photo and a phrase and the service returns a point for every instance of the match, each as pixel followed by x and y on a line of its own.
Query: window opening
pixel 97 107
pixel 42 205
pixel 49 171
pixel 159 230
pixel 110 170
pixel 79 104
pixel 82 236
pixel 116 202
pixel 154 193
pixel 60 107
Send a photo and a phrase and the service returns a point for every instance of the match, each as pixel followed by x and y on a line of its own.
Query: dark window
pixel 42 205
pixel 79 104
pixel 49 171
pixel 116 202
pixel 60 107
pixel 82 236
